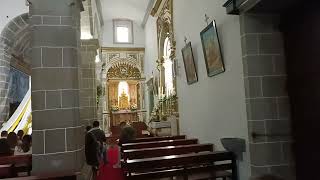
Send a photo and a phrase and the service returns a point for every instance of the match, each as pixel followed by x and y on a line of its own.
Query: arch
pixel 123 71
pixel 15 41
pixel 129 60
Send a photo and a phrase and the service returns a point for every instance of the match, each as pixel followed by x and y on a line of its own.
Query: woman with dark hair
pixel 12 140
pixel 4 134
pixel 26 146
pixel 20 136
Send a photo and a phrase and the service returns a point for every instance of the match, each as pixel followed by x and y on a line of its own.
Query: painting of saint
pixel 189 64
pixel 211 50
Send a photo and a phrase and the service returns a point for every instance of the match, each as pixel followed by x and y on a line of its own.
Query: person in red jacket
pixel 112 169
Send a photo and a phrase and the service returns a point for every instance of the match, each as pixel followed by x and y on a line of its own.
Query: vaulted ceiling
pixel 127 9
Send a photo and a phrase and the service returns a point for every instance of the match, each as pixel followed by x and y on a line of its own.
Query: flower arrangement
pixel 114 108
pixel 133 107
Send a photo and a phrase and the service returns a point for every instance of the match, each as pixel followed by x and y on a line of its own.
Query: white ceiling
pixel 128 9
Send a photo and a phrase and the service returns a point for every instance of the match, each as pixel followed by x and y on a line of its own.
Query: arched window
pixel 168 67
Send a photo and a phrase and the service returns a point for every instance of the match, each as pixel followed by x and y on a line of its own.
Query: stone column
pixel 57 133
pixel 268 105
pixel 88 90
pixel 4 83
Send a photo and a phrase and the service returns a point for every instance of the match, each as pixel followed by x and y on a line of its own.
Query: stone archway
pixel 14 45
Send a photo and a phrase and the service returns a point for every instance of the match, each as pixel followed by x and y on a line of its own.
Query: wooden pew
pixel 150 139
pixel 166 151
pixel 139 127
pixel 16 164
pixel 143 145
pixel 54 176
pixel 183 165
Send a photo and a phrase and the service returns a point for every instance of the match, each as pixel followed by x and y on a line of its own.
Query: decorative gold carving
pixel 166 106
pixel 124 71
pixel 113 55
pixel 134 56
pixel 123 101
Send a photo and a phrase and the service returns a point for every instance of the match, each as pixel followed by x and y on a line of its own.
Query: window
pixel 168 67
pixel 123 32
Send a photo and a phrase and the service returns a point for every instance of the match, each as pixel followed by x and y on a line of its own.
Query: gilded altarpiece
pixel 164 86
pixel 166 62
pixel 124 79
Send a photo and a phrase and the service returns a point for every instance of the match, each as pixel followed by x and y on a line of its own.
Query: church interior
pixel 179 89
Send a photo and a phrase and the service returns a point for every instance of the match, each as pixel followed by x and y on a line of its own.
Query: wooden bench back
pixel 151 139
pixel 166 151
pixel 185 160
pixel 181 165
pixel 19 159
pixel 159 144
pixel 11 165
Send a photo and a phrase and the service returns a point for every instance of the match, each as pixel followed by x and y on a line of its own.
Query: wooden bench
pixel 55 176
pixel 153 144
pixel 148 139
pixel 183 166
pixel 151 139
pixel 166 151
pixel 10 166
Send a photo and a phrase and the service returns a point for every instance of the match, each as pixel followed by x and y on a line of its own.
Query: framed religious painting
pixel 212 50
pixel 189 64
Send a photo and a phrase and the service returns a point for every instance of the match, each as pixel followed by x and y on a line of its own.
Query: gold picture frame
pixel 189 64
pixel 212 50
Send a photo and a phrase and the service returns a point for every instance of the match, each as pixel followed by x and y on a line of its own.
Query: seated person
pixel 127 134
pixel 25 147
pixel 4 134
pixel 12 140
pixel 20 136
pixel 5 148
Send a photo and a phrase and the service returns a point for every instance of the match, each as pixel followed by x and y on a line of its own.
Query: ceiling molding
pixel 121 49
pixel 148 12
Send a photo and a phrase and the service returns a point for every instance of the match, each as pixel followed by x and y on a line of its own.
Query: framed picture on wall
pixel 189 64
pixel 212 50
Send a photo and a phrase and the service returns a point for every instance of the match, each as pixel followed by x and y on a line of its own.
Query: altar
pixel 123 116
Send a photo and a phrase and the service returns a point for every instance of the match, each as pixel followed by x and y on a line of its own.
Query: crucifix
pixel 185 40
pixel 206 19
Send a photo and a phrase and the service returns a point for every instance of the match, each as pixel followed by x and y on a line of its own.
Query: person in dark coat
pixel 5 149
pixel 94 140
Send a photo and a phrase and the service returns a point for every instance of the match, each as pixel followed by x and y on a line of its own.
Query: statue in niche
pixel 123 101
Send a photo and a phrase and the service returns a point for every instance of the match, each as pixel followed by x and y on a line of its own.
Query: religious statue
pixel 123 101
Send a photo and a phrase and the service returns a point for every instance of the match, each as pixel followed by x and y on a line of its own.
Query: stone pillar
pixel 4 83
pixel 268 106
pixel 88 90
pixel 57 132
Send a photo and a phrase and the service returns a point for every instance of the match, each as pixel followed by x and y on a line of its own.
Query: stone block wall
pixel 268 106
pixel 57 131
pixel 88 87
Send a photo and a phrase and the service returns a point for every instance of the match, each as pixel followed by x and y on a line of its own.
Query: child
pixel 111 170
